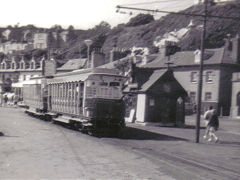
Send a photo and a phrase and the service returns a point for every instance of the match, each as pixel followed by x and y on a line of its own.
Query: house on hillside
pixel 40 40
pixel 9 47
pixel 219 65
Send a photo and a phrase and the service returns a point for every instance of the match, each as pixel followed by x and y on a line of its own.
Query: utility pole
pixel 200 78
pixel 205 16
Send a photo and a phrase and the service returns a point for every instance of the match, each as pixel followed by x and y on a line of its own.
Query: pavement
pixel 165 146
pixel 220 157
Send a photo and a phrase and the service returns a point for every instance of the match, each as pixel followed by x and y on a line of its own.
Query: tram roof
pixel 82 75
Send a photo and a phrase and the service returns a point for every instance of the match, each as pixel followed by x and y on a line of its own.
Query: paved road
pixel 34 149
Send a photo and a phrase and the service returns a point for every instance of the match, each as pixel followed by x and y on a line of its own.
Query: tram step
pixel 79 120
pixel 61 119
pixel 33 112
pixel 87 124
pixel 51 114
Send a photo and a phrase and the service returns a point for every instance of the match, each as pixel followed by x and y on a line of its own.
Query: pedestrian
pixel 5 99
pixel 206 117
pixel 1 99
pixel 15 99
pixel 213 126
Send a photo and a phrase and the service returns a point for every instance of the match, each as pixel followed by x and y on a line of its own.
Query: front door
pixel 164 110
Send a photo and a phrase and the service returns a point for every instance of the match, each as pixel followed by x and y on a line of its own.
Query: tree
pixel 140 19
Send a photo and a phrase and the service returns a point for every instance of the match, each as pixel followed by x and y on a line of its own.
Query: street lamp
pixel 88 42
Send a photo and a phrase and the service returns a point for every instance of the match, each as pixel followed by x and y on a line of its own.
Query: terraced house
pixel 219 65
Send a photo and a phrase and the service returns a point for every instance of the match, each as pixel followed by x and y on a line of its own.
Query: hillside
pixel 144 35
pixel 140 31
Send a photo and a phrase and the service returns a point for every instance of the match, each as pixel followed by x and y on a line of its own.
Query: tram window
pixel 114 84
pixel 103 84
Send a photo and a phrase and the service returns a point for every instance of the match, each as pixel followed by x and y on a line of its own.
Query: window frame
pixel 193 77
pixel 209 75
pixel 207 95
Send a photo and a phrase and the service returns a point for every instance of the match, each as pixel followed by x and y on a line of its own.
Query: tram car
pixel 35 96
pixel 89 99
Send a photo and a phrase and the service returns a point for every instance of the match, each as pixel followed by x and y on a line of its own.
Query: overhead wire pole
pixel 200 78
pixel 200 81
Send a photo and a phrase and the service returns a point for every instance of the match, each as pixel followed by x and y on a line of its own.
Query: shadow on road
pixel 139 134
pixel 192 127
pixel 229 143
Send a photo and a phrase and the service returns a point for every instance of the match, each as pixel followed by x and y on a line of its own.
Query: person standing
pixel 213 126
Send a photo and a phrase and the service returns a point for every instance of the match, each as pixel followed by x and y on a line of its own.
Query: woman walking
pixel 213 126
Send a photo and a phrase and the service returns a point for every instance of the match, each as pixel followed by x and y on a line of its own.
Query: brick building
pixel 219 65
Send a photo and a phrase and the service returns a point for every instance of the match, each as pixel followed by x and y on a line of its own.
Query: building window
pixel 208 96
pixel 13 65
pixel 3 66
pixel 21 65
pixel 194 77
pixel 32 64
pixel 192 96
pixel 209 75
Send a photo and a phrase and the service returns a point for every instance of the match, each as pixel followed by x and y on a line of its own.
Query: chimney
pixel 162 50
pixel 97 59
pixel 112 53
pixel 236 48
pixel 197 56
pixel 117 53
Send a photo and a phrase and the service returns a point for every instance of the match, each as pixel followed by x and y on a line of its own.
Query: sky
pixel 81 14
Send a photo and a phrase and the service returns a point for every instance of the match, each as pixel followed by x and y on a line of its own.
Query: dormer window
pixel 32 64
pixel 3 65
pixel 197 56
pixel 22 65
pixel 42 63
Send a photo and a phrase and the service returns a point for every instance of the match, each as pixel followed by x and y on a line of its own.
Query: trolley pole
pixel 200 78
pixel 88 42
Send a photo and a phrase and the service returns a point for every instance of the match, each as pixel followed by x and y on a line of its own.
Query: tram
pixel 89 100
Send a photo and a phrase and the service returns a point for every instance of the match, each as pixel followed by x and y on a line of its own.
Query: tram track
pixel 186 164
pixel 183 163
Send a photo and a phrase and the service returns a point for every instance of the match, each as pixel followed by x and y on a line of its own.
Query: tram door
pixel 238 103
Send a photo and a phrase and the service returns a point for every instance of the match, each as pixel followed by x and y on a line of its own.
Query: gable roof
pixel 152 79
pixel 73 64
pixel 186 58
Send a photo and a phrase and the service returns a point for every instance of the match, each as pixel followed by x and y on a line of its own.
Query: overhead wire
pixel 152 2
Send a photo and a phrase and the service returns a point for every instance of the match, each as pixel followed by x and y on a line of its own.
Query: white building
pixel 9 47
pixel 40 40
